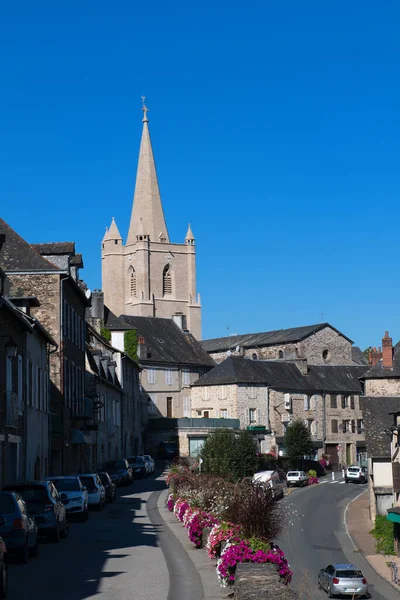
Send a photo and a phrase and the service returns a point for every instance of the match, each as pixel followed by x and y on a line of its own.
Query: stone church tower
pixel 149 276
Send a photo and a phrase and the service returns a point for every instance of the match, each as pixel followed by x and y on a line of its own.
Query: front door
pixel 169 408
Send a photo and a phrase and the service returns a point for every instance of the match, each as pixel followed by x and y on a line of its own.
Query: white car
pixel 150 463
pixel 95 489
pixel 270 478
pixel 296 478
pixel 355 474
pixel 73 495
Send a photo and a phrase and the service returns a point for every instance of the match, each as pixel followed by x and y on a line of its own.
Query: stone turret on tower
pixel 149 275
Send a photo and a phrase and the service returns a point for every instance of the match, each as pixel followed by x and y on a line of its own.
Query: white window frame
pixel 252 392
pixel 187 407
pixel 168 376
pixel 252 411
pixel 151 376
pixel 306 402
pixel 222 392
pixel 185 377
pixel 223 413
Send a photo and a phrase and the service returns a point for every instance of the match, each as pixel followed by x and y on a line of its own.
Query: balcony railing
pixel 12 410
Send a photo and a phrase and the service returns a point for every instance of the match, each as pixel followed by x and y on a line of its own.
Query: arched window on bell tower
pixel 132 282
pixel 167 281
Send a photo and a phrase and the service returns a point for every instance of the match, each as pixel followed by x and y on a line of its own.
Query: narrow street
pixel 114 555
pixel 315 536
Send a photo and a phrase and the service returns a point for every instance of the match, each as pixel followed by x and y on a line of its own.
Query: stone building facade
pixel 272 394
pixel 149 276
pixel 24 392
pixel 319 344
pixel 49 273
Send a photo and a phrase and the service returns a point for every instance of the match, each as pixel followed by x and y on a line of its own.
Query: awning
pixel 394 514
pixel 80 437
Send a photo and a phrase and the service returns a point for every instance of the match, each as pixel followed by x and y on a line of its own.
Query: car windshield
pixel 354 470
pixel 136 459
pixel 88 482
pixel 104 479
pixel 67 485
pixel 293 474
pixel 349 574
pixel 33 495
pixel 7 506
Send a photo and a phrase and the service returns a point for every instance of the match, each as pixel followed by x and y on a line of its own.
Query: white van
pixel 272 479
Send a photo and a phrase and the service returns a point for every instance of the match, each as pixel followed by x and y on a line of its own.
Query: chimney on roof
pixel 387 351
pixel 374 356
pixel 95 312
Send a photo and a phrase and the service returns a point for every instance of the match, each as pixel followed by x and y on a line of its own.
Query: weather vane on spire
pixel 144 109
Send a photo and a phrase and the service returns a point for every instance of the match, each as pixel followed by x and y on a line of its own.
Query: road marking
pixel 356 549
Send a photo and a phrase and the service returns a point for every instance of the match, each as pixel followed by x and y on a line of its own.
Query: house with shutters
pixel 266 396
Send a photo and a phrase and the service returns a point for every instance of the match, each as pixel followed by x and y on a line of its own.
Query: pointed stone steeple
pixel 105 238
pixel 147 201
pixel 113 233
pixel 189 238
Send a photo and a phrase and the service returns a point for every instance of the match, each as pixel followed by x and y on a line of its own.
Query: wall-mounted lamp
pixel 11 349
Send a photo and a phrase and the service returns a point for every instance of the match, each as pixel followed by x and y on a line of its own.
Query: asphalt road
pixel 315 536
pixel 119 554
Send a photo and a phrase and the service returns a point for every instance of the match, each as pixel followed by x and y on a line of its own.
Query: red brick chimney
pixel 374 356
pixel 387 351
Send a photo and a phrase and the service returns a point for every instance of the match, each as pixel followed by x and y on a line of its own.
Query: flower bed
pixel 237 548
pixel 312 480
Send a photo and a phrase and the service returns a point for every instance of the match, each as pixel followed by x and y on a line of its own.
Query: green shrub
pixel 106 334
pixel 383 532
pixel 229 454
pixel 312 473
pixel 131 343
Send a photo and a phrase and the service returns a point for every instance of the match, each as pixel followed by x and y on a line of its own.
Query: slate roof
pixel 165 342
pixel 378 372
pixel 337 379
pixel 358 357
pixel 17 255
pixel 55 248
pixel 77 261
pixel 376 419
pixel 284 375
pixel 267 338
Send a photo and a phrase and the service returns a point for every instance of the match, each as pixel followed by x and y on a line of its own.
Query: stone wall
pixel 382 387
pixel 260 582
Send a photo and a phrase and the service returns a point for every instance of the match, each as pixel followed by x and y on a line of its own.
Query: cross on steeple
pixel 144 109
pixel 322 315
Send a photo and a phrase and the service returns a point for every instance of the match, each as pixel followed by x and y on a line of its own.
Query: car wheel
pixel 346 481
pixel 54 535
pixel 35 550
pixel 64 533
pixel 4 579
pixel 23 554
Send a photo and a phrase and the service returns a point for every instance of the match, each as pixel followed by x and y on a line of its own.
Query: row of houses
pixel 69 400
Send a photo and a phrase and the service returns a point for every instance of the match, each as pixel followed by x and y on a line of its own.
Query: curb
pixel 359 550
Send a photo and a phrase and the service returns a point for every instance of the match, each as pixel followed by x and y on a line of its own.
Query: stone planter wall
pixel 260 582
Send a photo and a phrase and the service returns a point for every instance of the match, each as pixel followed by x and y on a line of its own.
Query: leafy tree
pixel 298 441
pixel 229 454
pixel 366 352
pixel 106 333
pixel 131 343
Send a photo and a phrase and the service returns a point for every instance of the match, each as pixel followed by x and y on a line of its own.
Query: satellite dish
pixel 88 294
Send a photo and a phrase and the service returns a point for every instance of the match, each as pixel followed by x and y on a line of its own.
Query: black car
pixel 119 471
pixel 109 486
pixel 3 569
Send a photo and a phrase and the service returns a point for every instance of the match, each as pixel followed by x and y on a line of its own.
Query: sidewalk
pixel 359 525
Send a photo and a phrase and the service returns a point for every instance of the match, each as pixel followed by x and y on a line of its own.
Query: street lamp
pixel 11 349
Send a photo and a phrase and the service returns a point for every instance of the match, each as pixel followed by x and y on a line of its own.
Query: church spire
pixel 147 205
pixel 113 233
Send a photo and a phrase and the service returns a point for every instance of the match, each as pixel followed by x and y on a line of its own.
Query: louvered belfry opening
pixel 133 283
pixel 167 281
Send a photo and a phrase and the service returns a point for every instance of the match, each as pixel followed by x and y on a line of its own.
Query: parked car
pixel 73 495
pixel 355 474
pixel 18 528
pixel 119 471
pixel 298 478
pixel 3 569
pixel 109 486
pixel 270 478
pixel 138 466
pixel 169 450
pixel 344 580
pixel 95 489
pixel 44 503
pixel 150 462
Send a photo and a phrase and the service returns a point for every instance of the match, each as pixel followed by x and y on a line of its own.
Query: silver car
pixel 343 580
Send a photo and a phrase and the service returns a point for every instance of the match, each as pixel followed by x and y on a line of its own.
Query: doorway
pixel 206 414
pixel 169 407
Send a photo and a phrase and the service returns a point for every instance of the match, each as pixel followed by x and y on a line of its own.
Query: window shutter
pixel 352 404
pixel 315 401
pixel 306 402
pixel 20 384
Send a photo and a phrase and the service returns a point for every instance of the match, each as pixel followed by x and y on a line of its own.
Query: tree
pixel 229 454
pixel 298 441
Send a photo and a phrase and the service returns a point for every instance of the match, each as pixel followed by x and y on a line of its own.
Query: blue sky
pixel 275 127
